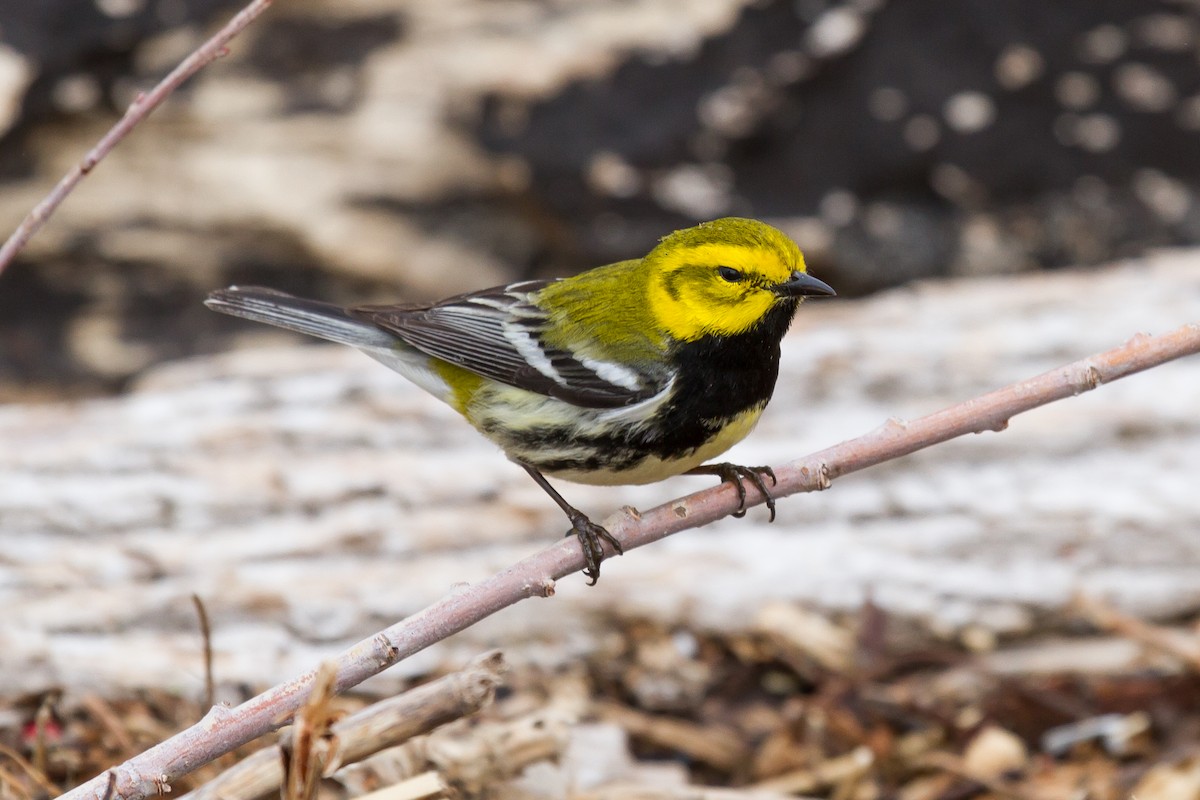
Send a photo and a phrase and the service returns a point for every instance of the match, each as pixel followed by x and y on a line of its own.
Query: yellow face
pixel 720 278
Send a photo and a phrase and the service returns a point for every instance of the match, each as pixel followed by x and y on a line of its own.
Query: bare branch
pixel 138 110
pixel 224 729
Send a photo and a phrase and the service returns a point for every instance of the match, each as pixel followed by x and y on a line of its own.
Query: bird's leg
pixel 736 474
pixel 588 532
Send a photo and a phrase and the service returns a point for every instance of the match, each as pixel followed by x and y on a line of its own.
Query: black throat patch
pixel 717 379
pixel 720 377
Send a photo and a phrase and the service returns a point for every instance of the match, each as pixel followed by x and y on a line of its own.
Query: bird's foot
pixel 590 535
pixel 737 475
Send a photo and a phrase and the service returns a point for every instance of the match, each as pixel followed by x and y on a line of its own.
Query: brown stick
pixel 210 689
pixel 715 745
pixel 138 110
pixel 224 729
pixel 1183 647
pixel 385 724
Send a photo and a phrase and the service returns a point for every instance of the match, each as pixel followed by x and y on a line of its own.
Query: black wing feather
pixel 477 331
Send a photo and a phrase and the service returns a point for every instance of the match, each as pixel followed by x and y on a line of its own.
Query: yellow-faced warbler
pixel 625 374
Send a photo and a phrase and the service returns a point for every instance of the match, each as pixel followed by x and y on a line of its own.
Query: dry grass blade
pixel 29 769
pixel 305 753
pixel 42 719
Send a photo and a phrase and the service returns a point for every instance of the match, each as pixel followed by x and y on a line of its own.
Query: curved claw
pixel 589 535
pixel 737 475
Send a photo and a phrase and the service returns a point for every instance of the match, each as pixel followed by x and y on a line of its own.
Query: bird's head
pixel 721 278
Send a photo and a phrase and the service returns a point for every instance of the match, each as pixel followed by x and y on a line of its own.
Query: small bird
pixel 625 374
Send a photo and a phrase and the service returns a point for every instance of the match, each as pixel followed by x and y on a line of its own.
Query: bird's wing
pixel 499 334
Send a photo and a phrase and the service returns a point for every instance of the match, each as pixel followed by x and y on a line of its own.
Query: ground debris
pixel 755 722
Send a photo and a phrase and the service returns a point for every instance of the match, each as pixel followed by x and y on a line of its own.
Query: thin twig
pixel 41 720
pixel 224 729
pixel 304 751
pixel 138 110
pixel 210 691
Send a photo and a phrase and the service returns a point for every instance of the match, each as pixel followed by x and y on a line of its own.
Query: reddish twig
pixel 224 729
pixel 210 688
pixel 138 110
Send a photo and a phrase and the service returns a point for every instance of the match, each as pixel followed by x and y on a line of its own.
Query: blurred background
pixel 383 149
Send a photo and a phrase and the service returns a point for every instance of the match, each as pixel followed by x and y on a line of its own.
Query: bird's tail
pixel 312 317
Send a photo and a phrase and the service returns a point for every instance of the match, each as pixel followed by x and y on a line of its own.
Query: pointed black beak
pixel 801 284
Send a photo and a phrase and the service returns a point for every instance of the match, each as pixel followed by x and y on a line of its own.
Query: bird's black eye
pixel 730 274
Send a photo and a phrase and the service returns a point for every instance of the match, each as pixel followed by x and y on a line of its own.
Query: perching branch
pixel 224 729
pixel 138 110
